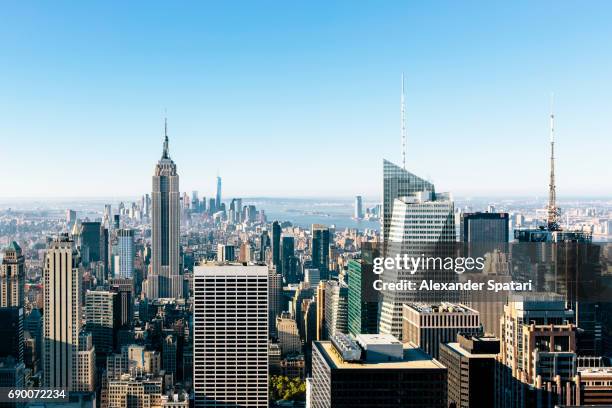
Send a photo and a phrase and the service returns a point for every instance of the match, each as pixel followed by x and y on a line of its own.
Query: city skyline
pixel 308 205
pixel 301 87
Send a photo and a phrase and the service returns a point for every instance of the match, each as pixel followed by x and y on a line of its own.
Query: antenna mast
pixel 403 124
pixel 553 211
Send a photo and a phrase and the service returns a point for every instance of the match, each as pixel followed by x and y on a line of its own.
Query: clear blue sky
pixel 295 98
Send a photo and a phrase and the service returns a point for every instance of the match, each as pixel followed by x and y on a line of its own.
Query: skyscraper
pixel 11 333
pixel 169 352
pixel 218 195
pixel 374 371
pixel 226 253
pixel 428 325
pixel 86 361
pixel 484 232
pixel 336 307
pixel 362 311
pixel 471 363
pixel 358 207
pixel 288 267
pixel 320 249
pixel 276 236
pixel 102 316
pixel 62 321
pixel 195 202
pixel 264 244
pixel 537 351
pixel 423 225
pixel 91 241
pixel 12 277
pixel 288 334
pixel 275 299
pixel 125 248
pixel 398 182
pixel 231 336
pixel 165 279
pixel 312 277
pixel 125 292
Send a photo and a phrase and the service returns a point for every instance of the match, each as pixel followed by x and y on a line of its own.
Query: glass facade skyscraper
pixel 423 225
pixel 320 249
pixel 362 312
pixel 398 182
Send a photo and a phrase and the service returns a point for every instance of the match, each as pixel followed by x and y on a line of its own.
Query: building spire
pixel 552 220
pixel 403 124
pixel 165 154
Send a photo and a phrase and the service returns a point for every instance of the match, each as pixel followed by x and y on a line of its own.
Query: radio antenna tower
pixel 403 124
pixel 553 211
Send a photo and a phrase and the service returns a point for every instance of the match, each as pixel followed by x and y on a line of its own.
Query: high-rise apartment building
pixel 165 280
pixel 12 277
pixel 231 336
pixel 62 317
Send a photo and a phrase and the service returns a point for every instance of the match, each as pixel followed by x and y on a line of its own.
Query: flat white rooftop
pixel 376 339
pixel 214 269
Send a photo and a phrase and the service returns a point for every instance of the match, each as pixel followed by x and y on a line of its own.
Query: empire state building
pixel 165 280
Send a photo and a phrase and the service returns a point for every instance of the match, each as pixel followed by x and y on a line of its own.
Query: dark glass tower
pixel 91 235
pixel 276 236
pixel 320 249
pixel 288 265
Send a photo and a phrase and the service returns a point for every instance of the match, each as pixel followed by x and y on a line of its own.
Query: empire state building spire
pixel 165 154
pixel 165 279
